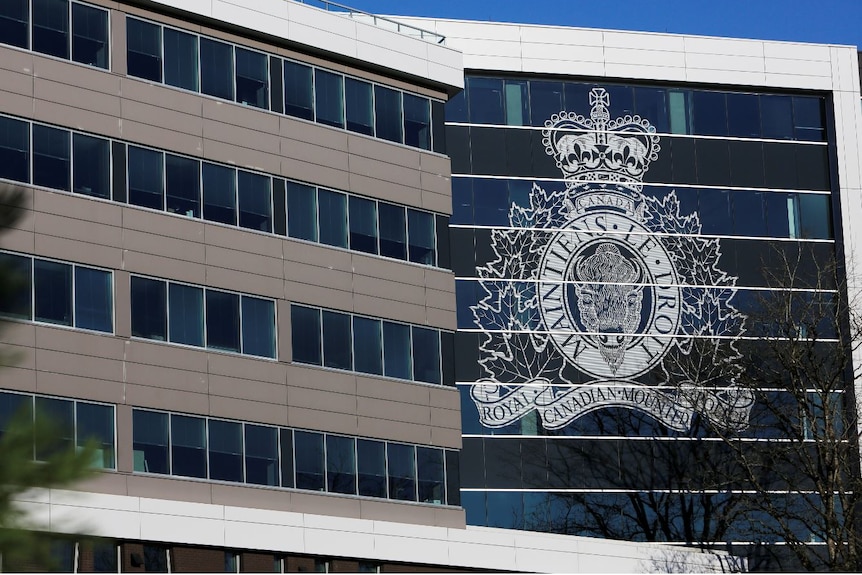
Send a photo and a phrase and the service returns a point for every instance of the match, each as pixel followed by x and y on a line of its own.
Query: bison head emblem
pixel 607 302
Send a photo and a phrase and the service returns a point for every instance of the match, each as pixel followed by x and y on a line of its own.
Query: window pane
pixel 14 22
pixel 302 211
pixel 420 231
pixel 808 118
pixel 309 460
pixel 305 334
pixel 144 52
pixel 396 350
pixel 743 115
pixel 485 98
pixel 225 450
pixel 298 90
pixel 96 423
pixel 429 469
pixel 50 157
pixel 150 441
pixel 359 104
pixel 89 35
pixel 517 103
pixel 387 109
pixel 329 97
pixel 188 446
pixel 776 117
pixel 14 150
pixel 255 201
pixel 402 472
pixel 91 166
pixel 363 225
pixel 453 478
pixel 333 218
pixel 426 355
pixel 146 184
pixel 371 463
pixel 546 99
pixel 53 292
pixel 261 455
pixel 815 216
pixel 367 345
pixel 417 121
pixel 51 27
pixel 219 193
pixel 216 68
pixel 183 185
pixel 222 319
pixel 186 314
pixel 336 340
pixel 181 59
pixel 59 414
pixel 393 231
pixel 17 271
pixel 14 405
pixel 709 110
pixel 286 437
pixel 340 464
pixel 149 309
pixel 258 326
pixel 94 299
pixel 251 78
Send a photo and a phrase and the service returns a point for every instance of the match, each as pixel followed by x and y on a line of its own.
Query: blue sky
pixel 826 21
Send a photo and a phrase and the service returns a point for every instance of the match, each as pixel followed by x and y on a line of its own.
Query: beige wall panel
pixel 272 393
pixel 21 334
pixel 375 267
pixel 179 489
pixel 316 295
pixel 285 351
pixel 319 174
pixel 445 398
pixel 166 399
pixel 18 378
pixel 448 517
pixel 383 170
pixel 325 505
pixel 163 138
pixel 17 240
pixel 161 267
pixel 318 135
pixel 245 282
pixel 104 482
pixel 245 117
pixel 76 118
pixel 251 411
pixel 15 83
pixel 163 224
pixel 161 97
pixel 393 410
pixel 89 78
pixel 310 153
pixel 118 42
pixel 18 105
pixel 83 387
pixel 236 366
pixel 317 275
pixel 242 157
pixel 436 184
pixel 391 290
pixel 78 207
pixel 440 203
pixel 122 307
pixel 317 255
pixel 303 418
pixel 75 251
pixel 394 390
pixel 446 437
pixel 397 512
pixel 169 356
pixel 239 135
pixel 389 309
pixel 322 379
pixel 16 60
pixel 254 497
pixel 158 245
pixel 248 262
pixel 440 300
pixel 78 229
pixel 446 418
pixel 390 191
pixel 439 279
pixel 80 366
pixel 161 117
pixel 243 240
pixel 325 401
pixel 395 430
pixel 441 318
pixel 165 378
pixel 75 97
pixel 435 164
pixel 368 147
pixel 124 438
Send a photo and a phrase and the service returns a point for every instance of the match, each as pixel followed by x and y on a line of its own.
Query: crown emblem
pixel 599 149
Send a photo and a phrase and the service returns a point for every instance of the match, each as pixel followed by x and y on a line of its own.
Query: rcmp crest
pixel 598 287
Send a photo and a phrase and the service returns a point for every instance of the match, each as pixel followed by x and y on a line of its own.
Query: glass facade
pixel 603 235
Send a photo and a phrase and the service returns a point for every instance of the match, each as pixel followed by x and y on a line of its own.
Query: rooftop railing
pixel 379 21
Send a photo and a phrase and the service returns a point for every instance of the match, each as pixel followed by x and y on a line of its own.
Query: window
pixel 387 113
pixel 258 326
pixel 95 423
pixel 485 99
pixel 367 343
pixel 18 270
pixel 396 350
pixel 302 211
pixel 431 478
pixel 225 450
pixel 333 218
pixel 417 121
pixel 188 446
pixel 337 346
pixel 94 299
pixel 14 150
pixel 222 312
pixel 146 178
pixel 51 157
pixel 91 166
pixel 426 354
pixel 298 90
pixel 150 441
pixel 393 231
pixel 186 314
pixel 181 59
pixel 183 185
pixel 51 27
pixel 308 448
pixel 371 463
pixel 149 308
pixel 305 334
pixel 89 35
pixel 340 464
pixel 144 50
pixel 219 193
pixel 359 106
pixel 401 461
pixel 420 231
pixel 255 201
pixel 363 225
pixel 329 98
pixel 60 415
pixel 261 454
pixel 216 68
pixel 52 288
pixel 251 78
pixel 286 452
pixel 14 22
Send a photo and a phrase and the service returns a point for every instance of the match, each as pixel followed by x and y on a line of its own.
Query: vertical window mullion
pixel 204 305
pixel 74 322
pixel 241 338
pixel 71 31
pixel 325 464
pixel 386 467
pixel 168 318
pixel 293 453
